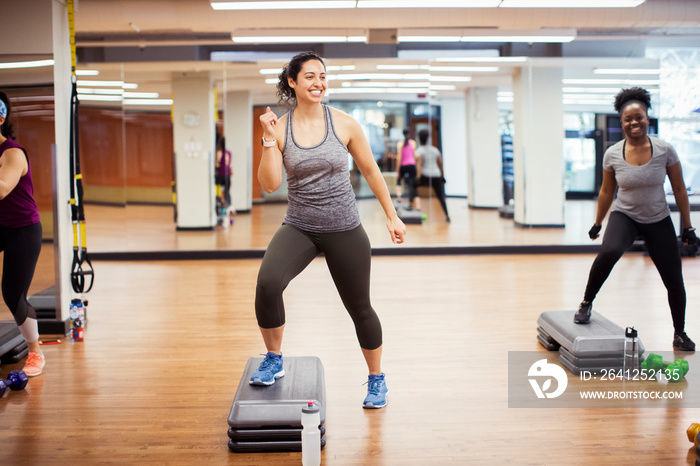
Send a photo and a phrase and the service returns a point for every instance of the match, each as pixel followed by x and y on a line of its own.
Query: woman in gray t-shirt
pixel 636 168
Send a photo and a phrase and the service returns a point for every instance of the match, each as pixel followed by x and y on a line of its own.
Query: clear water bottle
pixel 630 363
pixel 310 435
pixel 76 313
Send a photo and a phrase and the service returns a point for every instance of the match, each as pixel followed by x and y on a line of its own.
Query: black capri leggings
pixel 348 256
pixel 662 244
pixel 21 248
pixel 438 186
pixel 408 173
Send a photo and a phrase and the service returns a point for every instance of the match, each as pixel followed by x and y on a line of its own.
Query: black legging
pixel 439 188
pixel 348 256
pixel 407 173
pixel 21 248
pixel 662 244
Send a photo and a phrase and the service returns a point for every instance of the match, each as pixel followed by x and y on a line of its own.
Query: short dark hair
pixel 634 94
pixel 7 129
pixel 285 93
pixel 423 136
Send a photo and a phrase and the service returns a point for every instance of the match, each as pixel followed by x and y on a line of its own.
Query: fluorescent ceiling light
pixel 87 73
pixel 481 59
pixel 87 90
pixel 148 101
pixel 429 38
pixel 428 4
pixel 619 82
pixel 624 71
pixel 295 39
pixel 529 39
pixel 102 98
pixel 121 84
pixel 284 5
pixel 277 71
pixel 377 90
pixel 585 102
pixel 26 64
pixel 598 90
pixel 448 79
pixel 570 3
pixel 465 69
pixel 549 35
pixel 403 67
pixel 142 95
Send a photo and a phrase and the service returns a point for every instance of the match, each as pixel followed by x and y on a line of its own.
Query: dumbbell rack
pixel 591 347
pixel 268 419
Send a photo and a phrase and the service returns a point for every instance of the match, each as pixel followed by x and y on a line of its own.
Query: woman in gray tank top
pixel 311 143
pixel 636 168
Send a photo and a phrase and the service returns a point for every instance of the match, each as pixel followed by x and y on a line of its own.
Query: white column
pixel 537 147
pixel 484 157
pixel 63 233
pixel 193 140
pixel 238 130
pixel 454 145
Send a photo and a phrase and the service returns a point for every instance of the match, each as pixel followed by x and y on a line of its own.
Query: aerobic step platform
pixel 266 419
pixel 410 216
pixel 594 346
pixel 11 340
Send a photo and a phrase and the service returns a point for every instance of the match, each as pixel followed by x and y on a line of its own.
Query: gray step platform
pixel 264 419
pixel 10 337
pixel 410 216
pixel 600 338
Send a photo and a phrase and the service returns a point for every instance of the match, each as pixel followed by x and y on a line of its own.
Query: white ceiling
pixel 146 41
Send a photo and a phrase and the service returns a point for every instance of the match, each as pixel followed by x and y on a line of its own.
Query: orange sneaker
pixel 35 364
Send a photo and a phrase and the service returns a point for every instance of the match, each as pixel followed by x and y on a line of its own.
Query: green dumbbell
pixel 674 371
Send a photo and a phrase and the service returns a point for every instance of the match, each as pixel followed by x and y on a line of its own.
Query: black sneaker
pixel 682 342
pixel 583 315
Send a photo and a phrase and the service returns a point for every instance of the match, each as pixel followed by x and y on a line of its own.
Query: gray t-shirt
pixel 430 167
pixel 641 193
pixel 320 195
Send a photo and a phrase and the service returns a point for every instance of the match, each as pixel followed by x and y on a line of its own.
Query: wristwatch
pixel 268 143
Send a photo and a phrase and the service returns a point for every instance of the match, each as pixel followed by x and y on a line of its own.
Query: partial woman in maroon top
pixel 20 235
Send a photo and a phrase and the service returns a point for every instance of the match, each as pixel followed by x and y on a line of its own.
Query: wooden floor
pixel 167 343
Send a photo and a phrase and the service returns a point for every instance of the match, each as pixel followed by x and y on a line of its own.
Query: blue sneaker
pixel 376 392
pixel 269 370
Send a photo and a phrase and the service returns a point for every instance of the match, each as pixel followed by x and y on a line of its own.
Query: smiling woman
pixel 638 166
pixel 311 143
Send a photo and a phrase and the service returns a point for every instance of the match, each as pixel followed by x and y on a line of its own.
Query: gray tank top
pixel 321 198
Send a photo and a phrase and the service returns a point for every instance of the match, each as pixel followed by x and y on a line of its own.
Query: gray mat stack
pixel 592 347
pixel 268 419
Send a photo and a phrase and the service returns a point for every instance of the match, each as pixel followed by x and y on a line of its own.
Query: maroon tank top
pixel 18 209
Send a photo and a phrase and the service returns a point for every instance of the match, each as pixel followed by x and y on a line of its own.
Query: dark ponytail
pixel 406 134
pixel 285 93
pixel 7 128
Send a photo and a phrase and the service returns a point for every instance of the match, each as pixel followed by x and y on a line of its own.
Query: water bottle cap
pixel 310 408
pixel 630 332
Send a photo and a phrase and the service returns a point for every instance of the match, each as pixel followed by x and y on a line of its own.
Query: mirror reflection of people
pixel 406 169
pixel 223 172
pixel 311 142
pixel 636 168
pixel 20 236
pixel 429 169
